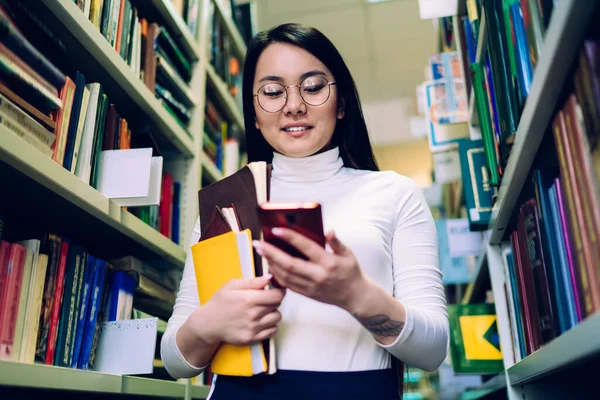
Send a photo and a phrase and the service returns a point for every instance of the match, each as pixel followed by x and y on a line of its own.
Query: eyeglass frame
pixel 299 91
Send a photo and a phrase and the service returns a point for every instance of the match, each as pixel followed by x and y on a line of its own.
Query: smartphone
pixel 304 218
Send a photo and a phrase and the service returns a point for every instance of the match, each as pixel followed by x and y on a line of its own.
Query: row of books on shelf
pixel 55 297
pixel 222 140
pixel 189 10
pixel 70 121
pixel 223 58
pixel 502 80
pixel 553 265
pixel 151 52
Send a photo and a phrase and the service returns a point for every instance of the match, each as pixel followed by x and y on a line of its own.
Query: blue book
pixel 542 180
pixel 470 39
pixel 76 113
pixel 90 271
pixel 121 287
pixel 176 212
pixel 92 314
pixel 510 261
pixel 523 61
pixel 561 246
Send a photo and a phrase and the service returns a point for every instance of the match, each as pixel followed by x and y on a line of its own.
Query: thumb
pixel 257 283
pixel 336 245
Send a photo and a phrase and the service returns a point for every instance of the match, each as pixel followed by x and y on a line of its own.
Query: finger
pixel 269 320
pixel 291 281
pixel 336 244
pixel 306 246
pixel 282 260
pixel 253 283
pixel 270 298
pixel 265 334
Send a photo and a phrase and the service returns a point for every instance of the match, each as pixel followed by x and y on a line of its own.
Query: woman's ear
pixel 341 108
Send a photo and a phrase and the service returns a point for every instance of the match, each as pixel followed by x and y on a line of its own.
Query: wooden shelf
pixel 125 89
pixel 23 157
pixel 43 376
pixel 561 44
pixel 224 97
pixel 580 343
pixel 232 30
pixel 199 392
pixel 178 28
pixel 210 167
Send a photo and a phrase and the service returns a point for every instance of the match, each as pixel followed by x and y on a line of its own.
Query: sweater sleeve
pixel 187 302
pixel 423 342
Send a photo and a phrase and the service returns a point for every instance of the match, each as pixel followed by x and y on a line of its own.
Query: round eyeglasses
pixel 314 90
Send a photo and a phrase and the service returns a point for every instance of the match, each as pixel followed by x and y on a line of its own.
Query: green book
pixel 176 56
pixel 75 260
pixel 474 339
pixel 485 122
pixel 476 186
pixel 98 138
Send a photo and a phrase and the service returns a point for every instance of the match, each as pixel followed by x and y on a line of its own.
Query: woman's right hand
pixel 239 313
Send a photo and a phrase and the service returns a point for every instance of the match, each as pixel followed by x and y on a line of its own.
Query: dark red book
pixel 56 305
pixel 165 212
pixel 16 263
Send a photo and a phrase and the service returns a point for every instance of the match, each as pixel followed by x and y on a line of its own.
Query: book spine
pixel 24 134
pixel 53 251
pixel 62 121
pixel 90 271
pixel 4 257
pixel 33 322
pixel 11 305
pixel 562 209
pixel 56 304
pixel 28 70
pixel 580 244
pixel 98 139
pixel 29 54
pixel 25 121
pixel 74 121
pixel 84 157
pixel 72 340
pixel 20 331
pixel 96 295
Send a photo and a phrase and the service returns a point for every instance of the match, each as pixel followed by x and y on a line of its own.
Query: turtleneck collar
pixel 312 169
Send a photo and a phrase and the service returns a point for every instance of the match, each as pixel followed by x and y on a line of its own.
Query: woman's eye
pixel 313 89
pixel 273 93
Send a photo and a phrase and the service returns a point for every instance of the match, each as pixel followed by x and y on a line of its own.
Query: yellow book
pixel 217 261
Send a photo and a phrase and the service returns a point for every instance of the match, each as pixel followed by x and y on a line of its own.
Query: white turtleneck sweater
pixel 384 219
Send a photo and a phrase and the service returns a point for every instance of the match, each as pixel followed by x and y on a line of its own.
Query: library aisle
pixel 114 114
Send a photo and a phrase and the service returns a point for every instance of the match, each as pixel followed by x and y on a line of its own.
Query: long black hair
pixel 350 133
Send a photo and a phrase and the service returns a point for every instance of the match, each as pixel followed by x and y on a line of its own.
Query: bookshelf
pixel 56 195
pixel 40 376
pixel 548 372
pixel 561 42
pixel 224 98
pixel 119 81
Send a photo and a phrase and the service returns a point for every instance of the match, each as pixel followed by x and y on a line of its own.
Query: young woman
pixel 375 295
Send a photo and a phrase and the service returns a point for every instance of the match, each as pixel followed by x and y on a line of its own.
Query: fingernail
pixel 258 247
pixel 277 231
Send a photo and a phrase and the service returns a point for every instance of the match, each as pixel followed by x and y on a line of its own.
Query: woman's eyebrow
pixel 275 78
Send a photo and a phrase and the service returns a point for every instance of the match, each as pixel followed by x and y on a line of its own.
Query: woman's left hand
pixel 332 278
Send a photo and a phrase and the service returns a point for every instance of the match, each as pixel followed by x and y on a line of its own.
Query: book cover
pixel 579 240
pixel 166 205
pixel 76 114
pixel 477 189
pixel 33 319
pixel 539 269
pixel 83 168
pixel 84 304
pixel 75 259
pixel 98 139
pixel 57 302
pixel 14 283
pixel 51 247
pixel 474 339
pixel 63 117
pixel 571 297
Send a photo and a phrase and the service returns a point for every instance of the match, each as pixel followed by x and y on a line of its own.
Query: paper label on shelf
pixel 461 241
pixel 127 347
pixel 124 173
pixel 154 188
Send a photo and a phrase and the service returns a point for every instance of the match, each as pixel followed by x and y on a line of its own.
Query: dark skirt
pixel 308 385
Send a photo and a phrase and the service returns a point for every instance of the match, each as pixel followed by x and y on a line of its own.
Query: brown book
pixel 149 32
pixel 125 136
pixel 33 112
pixel 28 70
pixel 63 116
pixel 109 130
pixel 580 242
pixel 529 315
pixel 538 265
pixel 587 183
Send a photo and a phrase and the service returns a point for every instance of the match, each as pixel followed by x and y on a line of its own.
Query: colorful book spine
pixel 14 281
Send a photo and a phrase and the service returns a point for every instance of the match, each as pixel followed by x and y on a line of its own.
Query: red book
pixel 10 307
pixel 581 241
pixel 4 256
pixel 56 305
pixel 165 212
